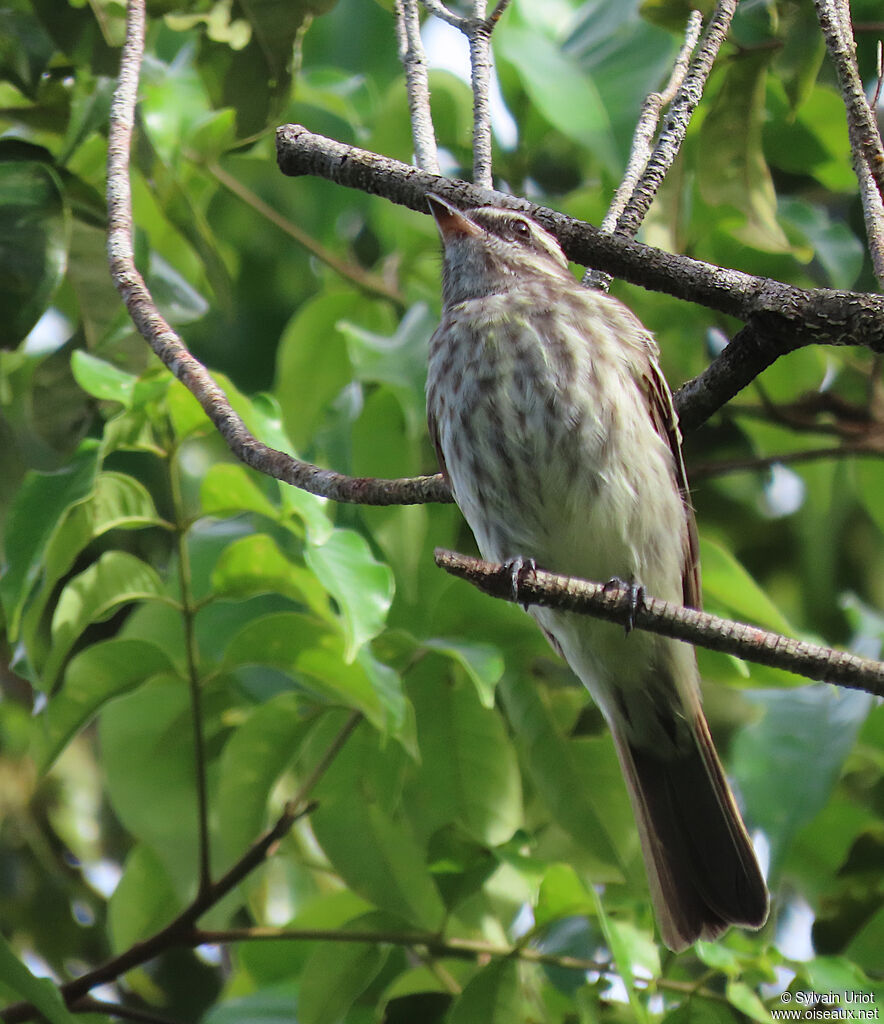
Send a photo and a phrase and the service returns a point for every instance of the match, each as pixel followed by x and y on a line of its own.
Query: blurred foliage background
pixel 479 796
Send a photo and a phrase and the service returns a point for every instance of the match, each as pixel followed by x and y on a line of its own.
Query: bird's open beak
pixel 450 221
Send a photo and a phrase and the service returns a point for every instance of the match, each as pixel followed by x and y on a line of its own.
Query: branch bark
pixel 699 628
pixel 166 343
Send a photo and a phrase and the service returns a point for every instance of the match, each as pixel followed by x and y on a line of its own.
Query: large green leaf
pixel 560 89
pixel 361 585
pixel 42 500
pixel 733 171
pixel 312 653
pixel 493 996
pixel 386 865
pixel 40 991
pixel 116 579
pixel 93 677
pixel 34 235
pixel 468 772
pixel 787 763
pixel 143 901
pixel 338 973
pixel 574 800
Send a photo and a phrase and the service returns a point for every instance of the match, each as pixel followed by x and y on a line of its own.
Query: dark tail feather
pixel 701 866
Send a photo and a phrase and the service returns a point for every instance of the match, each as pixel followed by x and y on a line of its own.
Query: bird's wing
pixel 665 420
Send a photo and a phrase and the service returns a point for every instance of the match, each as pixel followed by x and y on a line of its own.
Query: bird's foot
pixel 636 594
pixel 518 567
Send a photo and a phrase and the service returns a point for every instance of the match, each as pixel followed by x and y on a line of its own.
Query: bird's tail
pixel 701 867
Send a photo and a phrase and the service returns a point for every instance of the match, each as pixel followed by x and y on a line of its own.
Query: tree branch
pixel 414 61
pixel 804 316
pixel 686 101
pixel 171 349
pixel 699 628
pixel 866 147
pixel 178 931
pixel 640 152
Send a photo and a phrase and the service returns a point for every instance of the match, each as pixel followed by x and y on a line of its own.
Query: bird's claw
pixel 636 595
pixel 518 567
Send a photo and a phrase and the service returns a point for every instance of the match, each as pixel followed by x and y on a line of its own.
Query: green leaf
pixel 568 794
pixel 229 489
pixel 34 236
pixel 469 773
pixel 312 361
pixel 560 89
pixel 483 664
pixel 493 996
pixel 117 578
pixel 788 762
pixel 143 901
pixel 102 379
pixel 39 991
pixel 274 1004
pixel 256 565
pixel 93 676
pixel 361 585
pixel 147 754
pixel 728 587
pixel 337 973
pixel 256 755
pixel 41 501
pixel 117 501
pixel 386 866
pixel 562 894
pixel 746 1001
pixel 311 653
pixel 733 170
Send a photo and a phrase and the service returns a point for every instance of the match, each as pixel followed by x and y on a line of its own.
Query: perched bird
pixel 556 431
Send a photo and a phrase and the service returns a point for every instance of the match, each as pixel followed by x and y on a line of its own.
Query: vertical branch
pixel 414 61
pixel 477 29
pixel 681 110
pixel 479 36
pixel 865 139
pixel 642 139
pixel 188 613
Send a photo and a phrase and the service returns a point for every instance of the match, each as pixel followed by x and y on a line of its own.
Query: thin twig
pixel 370 283
pixel 640 152
pixel 866 146
pixel 441 11
pixel 756 464
pixel 188 615
pixel 453 947
pixel 477 29
pixel 171 349
pixel 414 62
pixel 696 627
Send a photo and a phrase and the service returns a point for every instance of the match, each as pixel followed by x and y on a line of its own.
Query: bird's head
pixel 489 250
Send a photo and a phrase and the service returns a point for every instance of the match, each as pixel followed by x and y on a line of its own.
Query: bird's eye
pixel 520 229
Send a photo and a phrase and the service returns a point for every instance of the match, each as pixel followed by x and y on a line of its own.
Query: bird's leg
pixel 518 567
pixel 636 595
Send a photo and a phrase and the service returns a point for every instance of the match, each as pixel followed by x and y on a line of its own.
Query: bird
pixel 556 432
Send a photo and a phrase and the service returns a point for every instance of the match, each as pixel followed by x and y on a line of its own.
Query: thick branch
pixel 805 316
pixel 695 627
